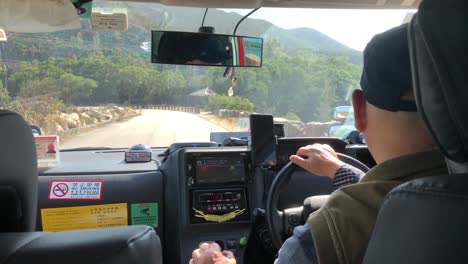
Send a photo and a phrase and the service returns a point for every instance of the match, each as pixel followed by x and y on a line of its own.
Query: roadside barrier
pixel 186 109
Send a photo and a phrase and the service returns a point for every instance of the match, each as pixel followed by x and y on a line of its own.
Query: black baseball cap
pixel 386 75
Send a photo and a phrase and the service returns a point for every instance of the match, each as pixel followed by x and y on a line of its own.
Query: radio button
pixel 231 244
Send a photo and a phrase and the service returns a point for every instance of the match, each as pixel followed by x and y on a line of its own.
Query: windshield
pixel 100 89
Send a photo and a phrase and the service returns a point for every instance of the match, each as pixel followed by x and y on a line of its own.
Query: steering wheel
pixel 278 222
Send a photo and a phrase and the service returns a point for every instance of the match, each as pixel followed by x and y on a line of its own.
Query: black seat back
pixel 18 174
pixel 425 220
pixel 122 245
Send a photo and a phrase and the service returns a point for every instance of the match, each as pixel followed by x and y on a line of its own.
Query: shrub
pixel 42 111
pixel 292 116
pixel 216 102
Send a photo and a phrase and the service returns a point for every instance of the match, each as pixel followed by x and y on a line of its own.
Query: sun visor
pixel 33 16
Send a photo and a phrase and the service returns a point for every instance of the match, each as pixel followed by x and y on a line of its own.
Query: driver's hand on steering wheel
pixel 318 159
pixel 211 254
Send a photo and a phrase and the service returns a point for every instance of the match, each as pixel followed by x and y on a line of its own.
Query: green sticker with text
pixel 144 214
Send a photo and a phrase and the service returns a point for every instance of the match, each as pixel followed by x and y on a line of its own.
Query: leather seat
pixel 133 244
pixel 425 220
pixel 18 174
pixel 18 203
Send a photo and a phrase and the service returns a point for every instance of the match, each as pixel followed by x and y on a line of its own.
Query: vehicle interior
pixel 131 203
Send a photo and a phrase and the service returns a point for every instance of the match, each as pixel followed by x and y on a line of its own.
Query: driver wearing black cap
pixel 385 112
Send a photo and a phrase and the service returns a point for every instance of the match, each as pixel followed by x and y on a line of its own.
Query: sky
pixel 354 28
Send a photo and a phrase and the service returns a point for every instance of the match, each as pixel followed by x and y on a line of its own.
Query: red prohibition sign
pixel 60 189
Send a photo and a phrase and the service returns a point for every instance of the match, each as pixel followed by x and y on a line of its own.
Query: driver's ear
pixel 360 112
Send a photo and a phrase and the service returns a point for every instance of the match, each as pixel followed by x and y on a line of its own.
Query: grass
pixel 227 123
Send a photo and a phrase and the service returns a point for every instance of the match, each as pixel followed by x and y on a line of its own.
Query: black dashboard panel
pixel 190 184
pixel 289 146
pixel 129 183
pixel 97 162
pixel 129 188
pixel 188 198
pixel 303 184
pixel 218 183
pixel 361 153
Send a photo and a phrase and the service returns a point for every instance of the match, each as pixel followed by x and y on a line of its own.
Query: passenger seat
pixel 18 203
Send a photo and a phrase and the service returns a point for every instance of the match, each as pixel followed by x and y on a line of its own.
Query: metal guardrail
pixel 186 109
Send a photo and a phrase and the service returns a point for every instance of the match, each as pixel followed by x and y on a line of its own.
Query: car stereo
pixel 218 168
pixel 219 205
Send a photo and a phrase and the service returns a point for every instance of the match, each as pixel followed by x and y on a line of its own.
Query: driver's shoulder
pixel 342 228
pixel 348 216
pixel 358 200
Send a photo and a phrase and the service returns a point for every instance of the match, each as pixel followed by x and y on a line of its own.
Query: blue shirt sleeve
pixel 299 248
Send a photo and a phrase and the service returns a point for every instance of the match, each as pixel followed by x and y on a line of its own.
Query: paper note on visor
pixel 33 16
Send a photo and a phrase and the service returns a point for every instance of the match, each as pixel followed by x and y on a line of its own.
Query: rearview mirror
pixel 185 48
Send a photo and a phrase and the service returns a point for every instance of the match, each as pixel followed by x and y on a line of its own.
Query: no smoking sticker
pixel 75 190
pixel 60 190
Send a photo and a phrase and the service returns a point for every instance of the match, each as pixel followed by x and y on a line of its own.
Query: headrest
pixel 18 174
pixel 438 50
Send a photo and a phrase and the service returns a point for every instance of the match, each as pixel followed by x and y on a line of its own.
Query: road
pixel 155 128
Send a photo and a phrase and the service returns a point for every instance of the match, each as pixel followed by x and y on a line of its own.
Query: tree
pixel 129 81
pixel 306 82
pixel 24 72
pixel 42 111
pixel 4 97
pixel 39 87
pixel 75 89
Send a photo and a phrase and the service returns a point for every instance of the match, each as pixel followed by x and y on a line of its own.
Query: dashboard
pixel 208 175
pixel 202 194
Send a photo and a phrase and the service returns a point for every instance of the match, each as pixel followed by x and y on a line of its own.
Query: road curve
pixel 155 128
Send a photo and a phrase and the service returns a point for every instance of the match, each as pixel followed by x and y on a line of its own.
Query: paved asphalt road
pixel 155 128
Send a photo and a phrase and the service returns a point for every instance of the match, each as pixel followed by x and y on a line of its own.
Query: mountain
pixel 299 39
pixel 189 19
pixel 307 38
pixel 145 17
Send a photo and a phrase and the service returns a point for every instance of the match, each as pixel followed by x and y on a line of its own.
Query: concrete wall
pixel 292 128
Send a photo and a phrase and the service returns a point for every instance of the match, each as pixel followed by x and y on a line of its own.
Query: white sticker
pixel 3 35
pixel 75 190
pixel 115 21
pixel 47 150
pixel 136 156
